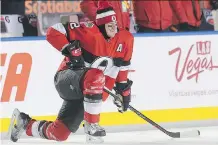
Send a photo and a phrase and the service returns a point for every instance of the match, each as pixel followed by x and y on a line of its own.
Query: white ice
pixel 209 136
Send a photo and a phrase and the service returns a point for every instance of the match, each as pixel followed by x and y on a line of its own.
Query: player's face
pixel 111 29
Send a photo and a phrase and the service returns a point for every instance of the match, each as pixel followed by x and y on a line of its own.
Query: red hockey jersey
pixel 94 45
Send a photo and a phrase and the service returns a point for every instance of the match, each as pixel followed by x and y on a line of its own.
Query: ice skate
pixel 18 125
pixel 94 132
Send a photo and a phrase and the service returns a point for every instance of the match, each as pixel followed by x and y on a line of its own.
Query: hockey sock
pixel 92 106
pixel 36 128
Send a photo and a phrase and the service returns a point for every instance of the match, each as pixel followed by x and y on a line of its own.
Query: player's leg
pixel 69 118
pixel 70 115
pixel 92 84
pixel 88 85
pixel 52 130
pixel 22 122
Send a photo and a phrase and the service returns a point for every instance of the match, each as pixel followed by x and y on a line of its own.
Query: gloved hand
pixel 123 91
pixel 74 53
pixel 72 49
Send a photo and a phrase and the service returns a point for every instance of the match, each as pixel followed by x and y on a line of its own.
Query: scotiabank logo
pixel 198 60
pixel 16 76
pixel 43 7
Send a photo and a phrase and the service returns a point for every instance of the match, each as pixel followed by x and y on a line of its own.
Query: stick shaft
pixel 171 134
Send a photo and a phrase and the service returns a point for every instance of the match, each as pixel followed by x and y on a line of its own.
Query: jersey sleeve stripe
pixel 124 68
pixel 59 27
pixel 112 72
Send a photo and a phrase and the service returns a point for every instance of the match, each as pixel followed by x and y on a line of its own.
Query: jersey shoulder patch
pixel 88 24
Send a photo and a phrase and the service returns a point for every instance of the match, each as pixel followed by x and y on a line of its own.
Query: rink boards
pixel 175 79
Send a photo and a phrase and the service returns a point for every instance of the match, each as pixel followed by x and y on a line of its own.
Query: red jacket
pixel 121 9
pixel 157 14
pixel 194 19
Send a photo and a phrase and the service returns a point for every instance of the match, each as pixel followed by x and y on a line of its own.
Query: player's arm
pixel 124 69
pixel 123 84
pixel 57 36
pixel 89 8
pixel 63 38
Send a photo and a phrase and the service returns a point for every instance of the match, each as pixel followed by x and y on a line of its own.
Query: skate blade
pixel 93 139
pixel 14 117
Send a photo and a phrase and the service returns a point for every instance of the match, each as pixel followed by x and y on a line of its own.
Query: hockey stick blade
pixel 192 133
pixel 185 134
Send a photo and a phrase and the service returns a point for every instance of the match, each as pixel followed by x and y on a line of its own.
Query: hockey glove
pixel 123 90
pixel 74 53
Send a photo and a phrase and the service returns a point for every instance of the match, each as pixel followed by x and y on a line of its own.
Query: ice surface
pixel 209 136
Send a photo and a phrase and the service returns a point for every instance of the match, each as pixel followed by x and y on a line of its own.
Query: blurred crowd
pixel 32 18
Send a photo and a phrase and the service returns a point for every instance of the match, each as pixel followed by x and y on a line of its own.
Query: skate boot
pixel 18 125
pixel 94 132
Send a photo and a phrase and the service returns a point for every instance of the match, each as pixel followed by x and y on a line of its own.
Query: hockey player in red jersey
pixel 78 83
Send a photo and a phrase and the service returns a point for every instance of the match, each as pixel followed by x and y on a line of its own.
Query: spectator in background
pixel 194 15
pixel 196 12
pixel 30 25
pixel 156 16
pixel 29 22
pixel 122 9
pixel 207 22
pixel 214 6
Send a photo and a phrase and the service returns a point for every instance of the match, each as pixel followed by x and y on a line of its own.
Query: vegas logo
pixel 199 59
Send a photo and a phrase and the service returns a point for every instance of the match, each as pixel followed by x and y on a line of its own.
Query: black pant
pixel 72 114
pixel 193 28
pixel 186 29
pixel 67 83
pixel 142 29
pixel 29 28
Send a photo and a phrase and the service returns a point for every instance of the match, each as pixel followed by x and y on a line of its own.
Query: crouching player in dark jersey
pixel 78 83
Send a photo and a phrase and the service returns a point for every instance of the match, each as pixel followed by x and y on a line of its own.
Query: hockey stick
pixel 192 133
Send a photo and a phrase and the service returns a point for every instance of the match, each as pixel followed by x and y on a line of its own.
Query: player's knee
pixel 57 131
pixel 93 82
